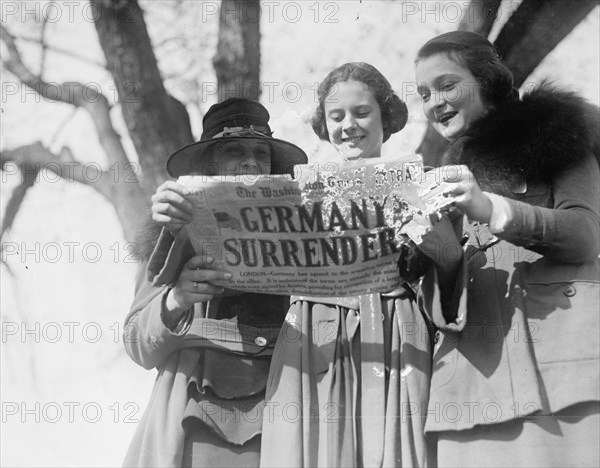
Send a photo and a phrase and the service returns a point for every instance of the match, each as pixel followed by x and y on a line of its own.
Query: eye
pixel 336 116
pixel 448 85
pixel 425 96
pixel 232 150
pixel 363 114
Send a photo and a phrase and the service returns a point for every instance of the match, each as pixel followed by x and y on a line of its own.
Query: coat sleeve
pixel 569 231
pixel 450 313
pixel 168 257
pixel 148 341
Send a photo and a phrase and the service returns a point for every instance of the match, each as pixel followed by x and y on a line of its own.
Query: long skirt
pixel 566 438
pixel 223 417
pixel 339 396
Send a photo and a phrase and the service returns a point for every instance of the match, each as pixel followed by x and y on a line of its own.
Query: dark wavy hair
pixel 478 55
pixel 394 112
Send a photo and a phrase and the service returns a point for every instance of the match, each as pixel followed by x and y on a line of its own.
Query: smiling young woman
pixel 450 94
pixel 348 384
pixel 519 362
pixel 353 121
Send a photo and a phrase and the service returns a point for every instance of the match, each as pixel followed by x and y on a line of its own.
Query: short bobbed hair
pixel 475 53
pixel 394 113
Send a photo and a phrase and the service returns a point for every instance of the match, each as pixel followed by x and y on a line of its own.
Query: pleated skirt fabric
pixel 315 414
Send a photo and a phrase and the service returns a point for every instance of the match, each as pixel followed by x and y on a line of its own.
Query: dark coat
pixel 523 337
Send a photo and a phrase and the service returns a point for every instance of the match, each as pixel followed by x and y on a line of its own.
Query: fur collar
pixel 530 140
pixel 146 238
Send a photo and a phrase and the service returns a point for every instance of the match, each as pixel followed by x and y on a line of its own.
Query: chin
pixel 350 154
pixel 351 157
pixel 448 133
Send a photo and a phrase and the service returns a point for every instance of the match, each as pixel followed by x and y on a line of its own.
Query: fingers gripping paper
pixel 333 231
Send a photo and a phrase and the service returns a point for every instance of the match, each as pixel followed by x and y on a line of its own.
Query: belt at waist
pixel 353 302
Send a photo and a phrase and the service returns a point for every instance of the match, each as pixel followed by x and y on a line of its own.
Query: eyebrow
pixel 445 76
pixel 362 106
pixel 421 88
pixel 231 144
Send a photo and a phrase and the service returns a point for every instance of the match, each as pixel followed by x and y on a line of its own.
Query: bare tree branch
pixel 63 125
pixel 535 29
pixel 118 185
pixel 16 199
pixel 479 16
pixel 44 45
pixel 35 157
pixel 60 50
pixel 74 93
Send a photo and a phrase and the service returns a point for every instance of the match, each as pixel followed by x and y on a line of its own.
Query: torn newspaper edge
pixel 331 231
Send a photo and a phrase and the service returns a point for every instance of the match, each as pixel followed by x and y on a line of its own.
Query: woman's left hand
pixel 441 244
pixel 464 189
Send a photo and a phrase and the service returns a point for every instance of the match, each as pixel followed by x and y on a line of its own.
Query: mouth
pixel 354 140
pixel 444 118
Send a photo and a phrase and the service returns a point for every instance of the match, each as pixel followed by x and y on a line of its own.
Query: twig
pixel 62 51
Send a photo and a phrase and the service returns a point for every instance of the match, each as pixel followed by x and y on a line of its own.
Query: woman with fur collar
pixel 516 376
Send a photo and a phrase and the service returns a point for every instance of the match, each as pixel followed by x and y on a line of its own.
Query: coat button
pixel 260 341
pixel 569 290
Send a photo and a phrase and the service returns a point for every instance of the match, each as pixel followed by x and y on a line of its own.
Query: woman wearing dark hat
pixel 212 351
pixel 517 366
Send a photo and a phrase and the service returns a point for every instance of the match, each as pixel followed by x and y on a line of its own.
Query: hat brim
pixel 197 157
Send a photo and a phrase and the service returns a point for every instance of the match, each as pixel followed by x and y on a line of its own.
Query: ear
pixel 319 125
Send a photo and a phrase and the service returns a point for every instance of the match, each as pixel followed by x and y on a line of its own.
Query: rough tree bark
pixel 237 61
pixel 535 29
pixel 158 124
pixel 480 16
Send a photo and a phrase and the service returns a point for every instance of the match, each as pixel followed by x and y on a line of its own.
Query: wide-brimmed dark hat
pixel 231 120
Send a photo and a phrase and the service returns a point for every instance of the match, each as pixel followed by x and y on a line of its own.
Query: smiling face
pixel 353 120
pixel 242 157
pixel 450 95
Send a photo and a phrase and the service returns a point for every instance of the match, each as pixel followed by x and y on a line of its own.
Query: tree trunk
pixel 237 61
pixel 157 123
pixel 535 29
pixel 479 16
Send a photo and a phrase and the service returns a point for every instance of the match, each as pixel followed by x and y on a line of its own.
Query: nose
pixel 349 123
pixel 435 103
pixel 439 99
pixel 250 161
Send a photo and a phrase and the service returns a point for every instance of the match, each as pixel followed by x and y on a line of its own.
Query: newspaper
pixel 331 231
